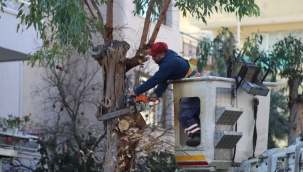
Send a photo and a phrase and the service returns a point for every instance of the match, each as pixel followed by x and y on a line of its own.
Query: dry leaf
pixel 82 152
pixel 123 125
pixel 90 151
pixel 125 138
pixel 84 159
pixel 113 134
pixel 122 157
pixel 94 158
pixel 122 165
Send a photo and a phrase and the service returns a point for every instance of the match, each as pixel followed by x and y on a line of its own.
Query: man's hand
pixel 153 97
pixel 132 94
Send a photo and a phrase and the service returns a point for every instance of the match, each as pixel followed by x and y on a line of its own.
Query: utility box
pixel 227 123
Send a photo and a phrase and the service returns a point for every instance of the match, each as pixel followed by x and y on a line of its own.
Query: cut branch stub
pixel 99 51
pixel 123 125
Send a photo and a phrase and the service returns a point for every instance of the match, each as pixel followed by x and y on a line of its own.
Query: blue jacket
pixel 171 67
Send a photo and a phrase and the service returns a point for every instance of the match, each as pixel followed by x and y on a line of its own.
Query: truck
pixel 234 117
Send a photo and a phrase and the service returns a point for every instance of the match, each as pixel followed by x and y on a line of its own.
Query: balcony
pixel 9 143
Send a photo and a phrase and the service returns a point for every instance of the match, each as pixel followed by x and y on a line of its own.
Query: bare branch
pixel 98 11
pixel 109 21
pixel 89 8
pixel 22 165
pixel 146 23
pixel 160 21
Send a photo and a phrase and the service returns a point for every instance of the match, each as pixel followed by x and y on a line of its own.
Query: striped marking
pixel 191 158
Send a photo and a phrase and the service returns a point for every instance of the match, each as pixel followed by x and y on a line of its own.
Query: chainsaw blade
pixel 113 114
pixel 138 107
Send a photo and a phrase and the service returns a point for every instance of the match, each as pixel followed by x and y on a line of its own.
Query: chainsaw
pixel 134 105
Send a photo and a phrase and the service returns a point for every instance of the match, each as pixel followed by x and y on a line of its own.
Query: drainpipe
pixel 20 89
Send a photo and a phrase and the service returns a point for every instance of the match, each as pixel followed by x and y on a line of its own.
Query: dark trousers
pixel 189 112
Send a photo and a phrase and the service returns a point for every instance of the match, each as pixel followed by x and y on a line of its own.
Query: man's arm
pixel 160 79
pixel 161 88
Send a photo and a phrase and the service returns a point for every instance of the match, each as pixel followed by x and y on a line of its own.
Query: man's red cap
pixel 158 48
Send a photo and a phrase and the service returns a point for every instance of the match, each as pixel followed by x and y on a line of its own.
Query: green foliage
pixel 157 161
pixel 3 122
pixel 67 156
pixel 213 53
pixel 142 6
pixel 251 47
pixel 13 121
pixel 60 24
pixel 2 4
pixel 286 58
pixel 252 52
pixel 202 9
pixel 25 122
pixel 278 118
pixel 203 50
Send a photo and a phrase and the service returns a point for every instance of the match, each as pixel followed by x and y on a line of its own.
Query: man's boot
pixel 193 139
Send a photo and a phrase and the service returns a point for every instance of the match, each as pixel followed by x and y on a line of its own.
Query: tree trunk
pixel 294 107
pixel 299 128
pixel 121 141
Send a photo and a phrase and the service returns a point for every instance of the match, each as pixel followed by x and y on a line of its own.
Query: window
pixel 269 39
pixel 189 50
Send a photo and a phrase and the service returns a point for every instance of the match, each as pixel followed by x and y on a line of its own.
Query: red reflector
pixel 192 163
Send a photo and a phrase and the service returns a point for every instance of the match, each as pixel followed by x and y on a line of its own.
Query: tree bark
pixel 294 107
pixel 299 128
pixel 121 143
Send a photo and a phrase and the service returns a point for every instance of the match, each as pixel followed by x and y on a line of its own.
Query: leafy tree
pixel 286 59
pixel 76 23
pixel 70 141
pixel 278 118
pixel 218 54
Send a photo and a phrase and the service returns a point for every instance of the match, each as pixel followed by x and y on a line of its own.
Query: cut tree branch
pixel 109 21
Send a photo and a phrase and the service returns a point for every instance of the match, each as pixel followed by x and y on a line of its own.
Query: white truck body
pixel 220 114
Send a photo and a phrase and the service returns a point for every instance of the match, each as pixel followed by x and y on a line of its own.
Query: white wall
pixel 10 73
pixel 23 42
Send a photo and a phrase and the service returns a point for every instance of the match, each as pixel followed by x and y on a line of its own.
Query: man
pixel 172 67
